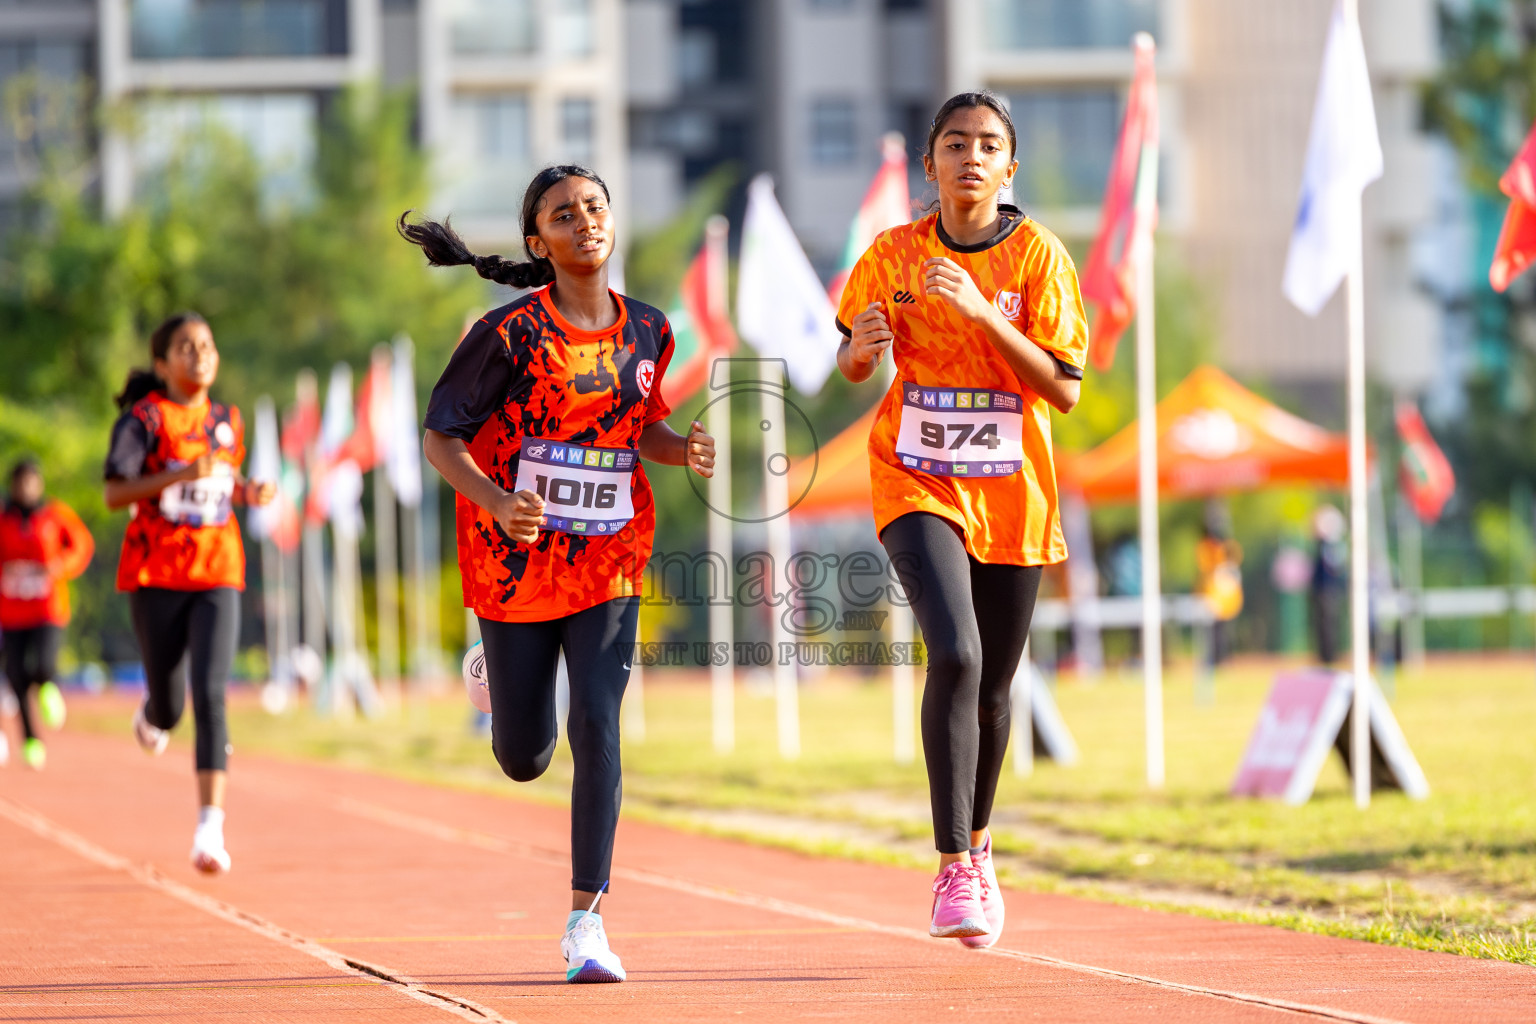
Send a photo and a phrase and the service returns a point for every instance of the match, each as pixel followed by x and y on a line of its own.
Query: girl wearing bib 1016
pixel 174 463
pixel 980 309
pixel 539 422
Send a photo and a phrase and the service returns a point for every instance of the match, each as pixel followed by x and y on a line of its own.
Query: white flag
pixel 266 466
pixel 782 308
pixel 1343 157
pixel 405 446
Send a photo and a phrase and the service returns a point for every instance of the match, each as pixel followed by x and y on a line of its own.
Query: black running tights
pixel 975 619
pixel 520 663
pixel 188 636
pixel 30 657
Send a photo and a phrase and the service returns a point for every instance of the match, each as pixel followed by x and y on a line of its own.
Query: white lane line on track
pixel 496 844
pixel 44 828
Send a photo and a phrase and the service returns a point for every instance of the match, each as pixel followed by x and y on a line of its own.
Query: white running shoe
pixel 476 683
pixel 151 738
pixel 587 956
pixel 208 853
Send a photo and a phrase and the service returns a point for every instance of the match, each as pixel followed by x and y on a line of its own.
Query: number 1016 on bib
pixel 585 490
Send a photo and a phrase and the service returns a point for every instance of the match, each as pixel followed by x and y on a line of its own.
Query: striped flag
pixel 887 204
pixel 701 327
pixel 1129 213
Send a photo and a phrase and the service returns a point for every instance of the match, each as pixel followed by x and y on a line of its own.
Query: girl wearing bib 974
pixel 174 463
pixel 979 306
pixel 539 422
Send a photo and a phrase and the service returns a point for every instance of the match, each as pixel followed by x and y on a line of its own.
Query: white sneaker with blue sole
pixel 588 959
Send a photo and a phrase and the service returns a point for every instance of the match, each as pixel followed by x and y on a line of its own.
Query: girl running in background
pixel 539 422
pixel 42 544
pixel 175 462
pixel 980 307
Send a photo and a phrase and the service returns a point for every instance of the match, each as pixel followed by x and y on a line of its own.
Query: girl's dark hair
pixel 24 465
pixel 969 101
pixel 141 382
pixel 444 247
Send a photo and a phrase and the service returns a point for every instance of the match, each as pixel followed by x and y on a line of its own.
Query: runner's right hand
pixel 871 335
pixel 520 515
pixel 199 467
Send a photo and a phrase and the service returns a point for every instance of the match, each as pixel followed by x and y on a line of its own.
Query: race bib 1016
pixel 206 501
pixel 961 431
pixel 585 490
pixel 22 580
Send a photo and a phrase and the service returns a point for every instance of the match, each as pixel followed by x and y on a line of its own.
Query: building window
pixel 1066 141
pixel 830 5
pixel 832 132
pixel 571 28
pixel 46 83
pixel 1067 24
pixel 278 129
pixel 489 154
pixel 578 129
pixel 182 29
pixel 695 57
pixel 502 28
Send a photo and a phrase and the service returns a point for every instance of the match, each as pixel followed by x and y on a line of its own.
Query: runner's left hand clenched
pixel 699 451
pixel 946 279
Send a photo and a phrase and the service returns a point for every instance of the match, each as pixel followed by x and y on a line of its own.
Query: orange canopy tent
pixel 840 484
pixel 1214 436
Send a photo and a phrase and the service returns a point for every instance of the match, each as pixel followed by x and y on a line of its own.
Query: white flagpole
pixel 722 608
pixel 775 502
pixel 1359 610
pixel 1151 555
pixel 386 575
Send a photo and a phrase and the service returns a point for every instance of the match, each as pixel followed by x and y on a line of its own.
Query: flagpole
pixel 722 606
pixel 1151 554
pixel 1359 611
pixel 776 504
pixel 386 576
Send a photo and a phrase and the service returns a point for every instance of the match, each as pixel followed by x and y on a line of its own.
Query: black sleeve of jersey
pixel 129 449
pixel 473 385
pixel 1067 369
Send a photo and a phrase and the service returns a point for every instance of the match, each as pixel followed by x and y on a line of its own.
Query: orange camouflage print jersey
pixel 156 434
pixel 1026 272
pixel 524 371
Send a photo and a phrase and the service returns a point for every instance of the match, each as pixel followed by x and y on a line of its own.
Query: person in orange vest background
pixel 42 545
pixel 1218 562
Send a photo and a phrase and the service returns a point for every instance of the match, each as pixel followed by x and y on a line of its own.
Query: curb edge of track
pixel 147 875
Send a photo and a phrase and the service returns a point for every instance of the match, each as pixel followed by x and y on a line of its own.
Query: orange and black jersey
pixel 524 371
pixel 162 547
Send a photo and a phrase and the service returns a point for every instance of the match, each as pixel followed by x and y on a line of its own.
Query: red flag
pixel 1129 213
pixel 301 426
pixel 365 444
pixel 887 204
pixel 1517 239
pixel 701 328
pixel 1424 474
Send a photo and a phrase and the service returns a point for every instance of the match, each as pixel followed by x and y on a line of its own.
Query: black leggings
pixel 520 663
pixel 30 658
pixel 188 636
pixel 975 619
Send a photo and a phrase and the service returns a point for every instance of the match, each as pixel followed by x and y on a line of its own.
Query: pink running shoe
pixel 957 908
pixel 991 899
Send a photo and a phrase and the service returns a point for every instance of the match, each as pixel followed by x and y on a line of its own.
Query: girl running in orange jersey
pixel 42 545
pixel 539 422
pixel 979 306
pixel 175 463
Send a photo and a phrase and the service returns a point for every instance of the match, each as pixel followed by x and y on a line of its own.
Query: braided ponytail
pixel 444 248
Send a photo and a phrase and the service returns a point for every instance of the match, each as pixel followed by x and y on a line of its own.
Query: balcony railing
pixel 1068 24
pixel 213 29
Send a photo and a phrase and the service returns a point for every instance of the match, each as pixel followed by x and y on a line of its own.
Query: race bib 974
pixel 585 490
pixel 961 431
pixel 206 501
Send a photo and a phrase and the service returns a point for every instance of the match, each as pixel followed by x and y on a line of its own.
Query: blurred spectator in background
pixel 1330 576
pixel 42 545
pixel 1219 579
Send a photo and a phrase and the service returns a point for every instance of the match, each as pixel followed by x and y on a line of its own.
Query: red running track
pixel 361 898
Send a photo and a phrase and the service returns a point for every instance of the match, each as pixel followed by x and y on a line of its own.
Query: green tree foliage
pixel 319 278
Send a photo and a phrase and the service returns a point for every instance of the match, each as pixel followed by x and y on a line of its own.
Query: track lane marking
pixel 45 828
pixel 495 844
pixel 722 934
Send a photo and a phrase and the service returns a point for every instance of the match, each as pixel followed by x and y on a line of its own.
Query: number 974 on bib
pixel 960 431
